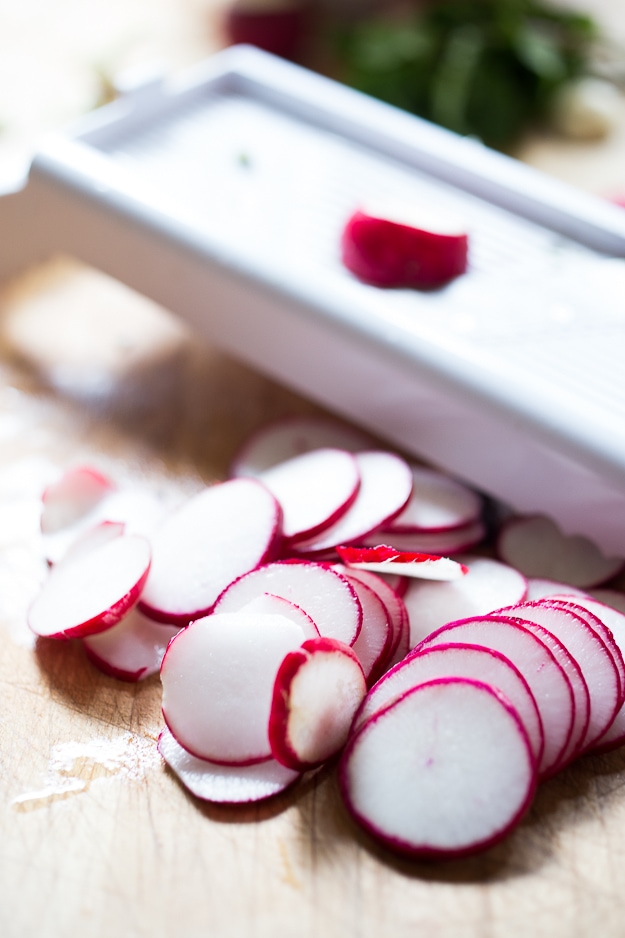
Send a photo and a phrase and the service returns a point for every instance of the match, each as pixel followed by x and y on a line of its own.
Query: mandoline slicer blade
pixel 222 196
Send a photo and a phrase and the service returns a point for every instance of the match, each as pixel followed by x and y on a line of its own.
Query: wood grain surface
pixel 97 838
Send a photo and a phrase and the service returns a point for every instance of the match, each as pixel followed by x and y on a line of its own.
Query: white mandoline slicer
pixel 223 196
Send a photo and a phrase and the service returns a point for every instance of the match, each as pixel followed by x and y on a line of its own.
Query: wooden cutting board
pixel 97 838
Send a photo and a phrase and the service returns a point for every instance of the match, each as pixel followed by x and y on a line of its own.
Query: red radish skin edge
pixel 278 720
pixel 370 557
pixel 399 846
pixel 386 253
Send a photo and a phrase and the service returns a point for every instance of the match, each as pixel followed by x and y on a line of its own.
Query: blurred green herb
pixel 487 68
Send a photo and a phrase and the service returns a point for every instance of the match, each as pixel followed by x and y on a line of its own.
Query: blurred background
pixel 543 81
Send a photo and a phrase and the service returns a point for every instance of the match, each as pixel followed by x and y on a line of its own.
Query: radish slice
pixel 384 559
pixel 269 604
pixel 317 691
pixel 292 436
pixel 537 547
pixel 93 591
pixel 218 676
pixel 374 640
pixel 394 605
pixel 92 538
pixel 326 596
pixel 131 650
pixel 453 541
pixel 387 251
pixel 445 770
pixel 584 645
pixel 224 784
pixel 609 597
pixel 431 605
pixel 313 490
pixel 215 537
pixel 71 497
pixel 438 503
pixel 540 588
pixel 537 663
pixel 385 487
pixel 459 660
pixel 579 606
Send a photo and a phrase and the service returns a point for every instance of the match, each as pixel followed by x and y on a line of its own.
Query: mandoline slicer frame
pixel 222 196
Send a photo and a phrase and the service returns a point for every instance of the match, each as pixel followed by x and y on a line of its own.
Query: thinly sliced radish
pixel 313 489
pixel 394 604
pixel 373 644
pixel 537 663
pixel 92 592
pixel 93 537
pixel 459 660
pixel 327 597
pixel 431 605
pixel 218 676
pixel 610 625
pixel 445 770
pixel 215 537
pixel 453 541
pixel 385 559
pixel 590 652
pixel 385 487
pixel 438 503
pixel 138 511
pixel 317 691
pixel 540 588
pixel 609 597
pixel 224 784
pixel 537 547
pixel 73 495
pixel 270 604
pixel 382 248
pixel 292 436
pixel 131 650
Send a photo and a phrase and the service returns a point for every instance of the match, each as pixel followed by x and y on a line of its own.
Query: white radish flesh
pixel 269 604
pixel 438 503
pixel 394 604
pixel 373 644
pixel 445 770
pixel 536 546
pixel 218 676
pixel 131 650
pixel 93 591
pixel 224 784
pixel 547 680
pixel 385 559
pixel 292 436
pixel 314 490
pixel 459 660
pixel 317 691
pixel 326 596
pixel 488 585
pixel 215 537
pixel 540 588
pixel 385 487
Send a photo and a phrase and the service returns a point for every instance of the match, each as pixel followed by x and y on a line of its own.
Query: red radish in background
pixel 536 546
pixel 277 26
pixel 224 784
pixel 131 650
pixel 72 496
pixel 314 490
pixel 387 249
pixel 218 676
pixel 384 559
pixel 213 538
pixel 93 591
pixel 292 436
pixel 445 770
pixel 317 691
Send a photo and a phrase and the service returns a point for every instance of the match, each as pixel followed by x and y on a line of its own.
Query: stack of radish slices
pixel 295 613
